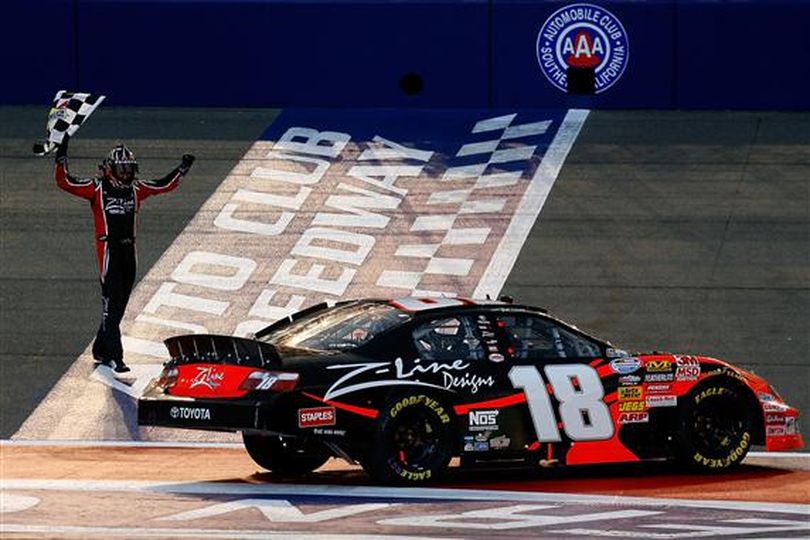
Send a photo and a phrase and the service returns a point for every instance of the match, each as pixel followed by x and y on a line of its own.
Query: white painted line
pixel 464 171
pixel 526 130
pixel 434 223
pixel 484 147
pixel 491 124
pixel 169 444
pixel 506 254
pixel 449 267
pixel 154 532
pixel 399 279
pixel 459 237
pixel 455 196
pixel 120 444
pixel 482 206
pixel 520 153
pixel 387 493
pixel 417 250
pixel 494 180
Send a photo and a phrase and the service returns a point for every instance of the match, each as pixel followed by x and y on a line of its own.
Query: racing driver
pixel 115 197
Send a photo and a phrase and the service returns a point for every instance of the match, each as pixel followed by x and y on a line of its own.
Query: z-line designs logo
pixel 583 36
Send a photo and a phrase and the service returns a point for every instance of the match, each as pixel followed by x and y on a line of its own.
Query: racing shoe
pixel 118 366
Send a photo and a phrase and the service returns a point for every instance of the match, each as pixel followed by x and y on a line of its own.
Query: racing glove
pixel 61 149
pixel 185 163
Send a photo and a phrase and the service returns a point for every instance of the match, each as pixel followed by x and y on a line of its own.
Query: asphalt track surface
pixel 685 232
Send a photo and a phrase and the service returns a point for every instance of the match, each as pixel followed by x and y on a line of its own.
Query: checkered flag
pixel 68 112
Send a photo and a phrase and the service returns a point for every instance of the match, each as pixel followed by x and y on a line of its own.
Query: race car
pixel 403 386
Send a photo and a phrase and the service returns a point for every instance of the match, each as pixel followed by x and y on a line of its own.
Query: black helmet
pixel 121 165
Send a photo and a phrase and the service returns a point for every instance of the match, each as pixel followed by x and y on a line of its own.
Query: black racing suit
pixel 115 207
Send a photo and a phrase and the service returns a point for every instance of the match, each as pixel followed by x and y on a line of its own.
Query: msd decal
pixel 583 36
pixel 316 417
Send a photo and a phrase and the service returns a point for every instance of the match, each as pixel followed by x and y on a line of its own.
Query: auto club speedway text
pixel 358 208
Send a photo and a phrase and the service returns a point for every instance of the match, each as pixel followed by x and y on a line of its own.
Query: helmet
pixel 120 165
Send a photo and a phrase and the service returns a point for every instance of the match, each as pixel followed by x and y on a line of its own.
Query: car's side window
pixel 448 338
pixel 536 338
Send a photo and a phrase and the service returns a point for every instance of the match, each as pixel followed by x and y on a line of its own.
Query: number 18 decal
pixel 584 415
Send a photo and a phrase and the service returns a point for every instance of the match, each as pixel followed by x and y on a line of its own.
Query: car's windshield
pixel 340 328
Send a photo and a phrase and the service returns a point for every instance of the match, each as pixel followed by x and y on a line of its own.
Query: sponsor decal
pixel 772 406
pixel 662 401
pixel 775 431
pixel 775 419
pixel 430 403
pixel 481 446
pixel 496 357
pixel 190 413
pixel 629 393
pixel 629 379
pixel 209 377
pixel 316 416
pixel 452 375
pixel 634 417
pixel 500 442
pixel 625 365
pixel 483 436
pixel 659 388
pixel 688 368
pixel 632 406
pixel 480 420
pixel 469 443
pixel 119 205
pixel 766 397
pixel 791 425
pixel 658 366
pixel 659 377
pixel 582 36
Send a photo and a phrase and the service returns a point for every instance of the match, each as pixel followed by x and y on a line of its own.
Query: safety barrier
pixel 412 53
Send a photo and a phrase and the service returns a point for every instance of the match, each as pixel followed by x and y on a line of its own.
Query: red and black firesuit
pixel 115 198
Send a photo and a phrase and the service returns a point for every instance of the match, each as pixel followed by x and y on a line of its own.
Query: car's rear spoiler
pixel 217 349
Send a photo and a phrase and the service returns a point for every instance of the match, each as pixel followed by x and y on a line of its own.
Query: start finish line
pixel 244 510
pixel 330 205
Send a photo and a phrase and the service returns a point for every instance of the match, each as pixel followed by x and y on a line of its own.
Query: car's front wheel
pixel 412 442
pixel 716 427
pixel 284 456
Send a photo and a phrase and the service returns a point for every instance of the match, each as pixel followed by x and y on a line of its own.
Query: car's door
pixel 564 395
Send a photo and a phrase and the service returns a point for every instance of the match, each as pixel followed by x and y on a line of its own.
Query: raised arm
pixel 147 188
pixel 81 187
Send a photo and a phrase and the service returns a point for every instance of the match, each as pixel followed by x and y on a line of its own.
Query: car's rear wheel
pixel 412 442
pixel 716 427
pixel 284 456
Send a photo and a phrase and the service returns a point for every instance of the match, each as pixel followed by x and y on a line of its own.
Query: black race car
pixel 402 386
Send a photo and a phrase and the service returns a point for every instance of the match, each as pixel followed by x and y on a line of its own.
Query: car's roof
pixel 420 304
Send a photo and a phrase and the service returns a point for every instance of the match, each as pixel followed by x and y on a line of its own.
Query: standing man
pixel 115 197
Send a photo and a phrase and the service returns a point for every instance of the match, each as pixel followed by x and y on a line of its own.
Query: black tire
pixel 284 456
pixel 716 427
pixel 412 442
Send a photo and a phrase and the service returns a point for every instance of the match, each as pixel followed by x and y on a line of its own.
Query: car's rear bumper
pixel 166 411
